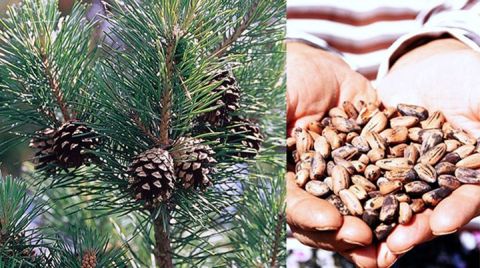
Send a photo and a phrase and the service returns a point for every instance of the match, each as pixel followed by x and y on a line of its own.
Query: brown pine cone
pixel 246 135
pixel 193 162
pixel 152 176
pixel 228 102
pixel 43 142
pixel 89 259
pixel 72 141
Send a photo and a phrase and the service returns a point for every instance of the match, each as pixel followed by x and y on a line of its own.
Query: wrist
pixel 436 47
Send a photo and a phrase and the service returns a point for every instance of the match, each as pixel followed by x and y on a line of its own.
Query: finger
pixel 404 237
pixel 472 125
pixel 304 121
pixel 353 233
pixel 310 94
pixel 308 212
pixel 385 257
pixel 456 210
pixel 327 240
pixel 364 257
pixel 355 87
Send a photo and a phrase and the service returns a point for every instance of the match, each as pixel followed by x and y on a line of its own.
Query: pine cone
pixel 43 142
pixel 152 176
pixel 193 162
pixel 228 101
pixel 71 142
pixel 247 134
pixel 89 259
pixel 16 244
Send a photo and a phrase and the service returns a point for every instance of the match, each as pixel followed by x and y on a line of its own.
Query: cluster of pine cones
pixel 188 161
pixel 15 245
pixel 155 173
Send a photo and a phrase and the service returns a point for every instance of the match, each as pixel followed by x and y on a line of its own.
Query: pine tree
pixel 163 130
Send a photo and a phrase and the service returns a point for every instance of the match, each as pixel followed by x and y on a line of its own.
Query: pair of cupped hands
pixel 440 75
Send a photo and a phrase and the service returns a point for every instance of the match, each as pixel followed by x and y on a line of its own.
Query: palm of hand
pixel 318 81
pixel 452 88
pixel 323 227
pixel 449 83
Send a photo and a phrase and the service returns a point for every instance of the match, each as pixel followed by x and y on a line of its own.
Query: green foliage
pixel 17 213
pixel 135 80
pixel 84 241
pixel 4 264
pixel 259 239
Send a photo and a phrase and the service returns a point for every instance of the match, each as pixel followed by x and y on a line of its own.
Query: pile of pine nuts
pixel 383 164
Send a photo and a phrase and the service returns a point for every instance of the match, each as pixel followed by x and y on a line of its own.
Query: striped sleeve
pixel 462 25
pixel 362 31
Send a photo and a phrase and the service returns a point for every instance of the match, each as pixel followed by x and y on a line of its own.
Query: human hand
pixel 441 75
pixel 318 81
pixel 318 224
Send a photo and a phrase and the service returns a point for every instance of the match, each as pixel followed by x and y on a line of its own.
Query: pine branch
pixel 260 239
pixel 18 210
pixel 163 250
pixel 144 128
pixel 166 85
pixel 237 32
pixel 276 241
pixel 166 103
pixel 45 64
pixel 54 86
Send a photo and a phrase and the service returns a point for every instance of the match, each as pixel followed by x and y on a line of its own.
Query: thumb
pixel 466 123
pixel 456 210
pixel 308 212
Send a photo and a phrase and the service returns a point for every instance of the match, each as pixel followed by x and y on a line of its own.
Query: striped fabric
pixel 363 30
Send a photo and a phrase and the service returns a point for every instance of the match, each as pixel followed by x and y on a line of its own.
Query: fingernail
pixel 328 228
pixel 353 242
pixel 398 257
pixel 392 263
pixel 445 233
pixel 403 251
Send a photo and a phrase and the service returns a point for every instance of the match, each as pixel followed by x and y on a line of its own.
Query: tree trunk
pixel 162 251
